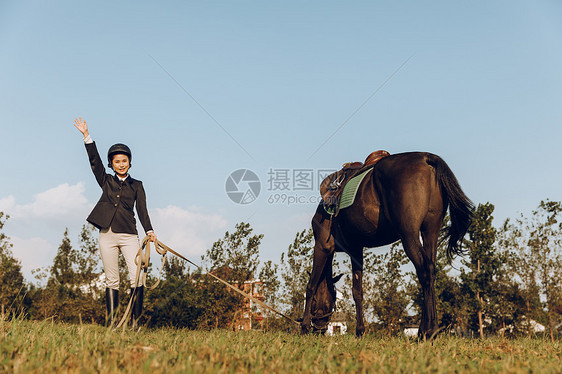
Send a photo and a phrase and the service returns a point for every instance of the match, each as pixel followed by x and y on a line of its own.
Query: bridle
pixel 322 316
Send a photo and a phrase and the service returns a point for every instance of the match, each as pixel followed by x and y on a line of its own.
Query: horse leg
pixel 425 270
pixel 430 237
pixel 357 289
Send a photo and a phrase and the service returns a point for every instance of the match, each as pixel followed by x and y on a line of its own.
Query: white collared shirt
pixel 122 179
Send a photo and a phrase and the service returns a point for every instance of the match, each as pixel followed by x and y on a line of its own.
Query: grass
pixel 31 346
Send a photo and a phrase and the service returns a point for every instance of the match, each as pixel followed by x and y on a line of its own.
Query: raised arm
pixel 93 155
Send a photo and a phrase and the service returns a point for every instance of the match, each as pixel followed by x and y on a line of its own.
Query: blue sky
pixel 200 89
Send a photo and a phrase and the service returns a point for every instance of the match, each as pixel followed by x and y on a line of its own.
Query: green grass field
pixel 28 346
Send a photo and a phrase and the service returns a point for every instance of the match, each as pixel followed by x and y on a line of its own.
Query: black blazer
pixel 115 206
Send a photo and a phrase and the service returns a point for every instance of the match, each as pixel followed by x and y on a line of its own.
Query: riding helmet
pixel 119 149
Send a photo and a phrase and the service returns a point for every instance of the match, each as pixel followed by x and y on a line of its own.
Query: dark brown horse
pixel 405 197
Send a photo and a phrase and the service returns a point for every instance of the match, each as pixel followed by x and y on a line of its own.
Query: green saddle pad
pixel 350 189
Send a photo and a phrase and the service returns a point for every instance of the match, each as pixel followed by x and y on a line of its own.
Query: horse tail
pixel 460 207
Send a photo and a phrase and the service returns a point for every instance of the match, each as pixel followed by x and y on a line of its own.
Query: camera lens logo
pixel 243 186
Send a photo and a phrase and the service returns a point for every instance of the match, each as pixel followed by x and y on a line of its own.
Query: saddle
pixel 332 186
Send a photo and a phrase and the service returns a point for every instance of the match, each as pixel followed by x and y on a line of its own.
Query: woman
pixel 113 215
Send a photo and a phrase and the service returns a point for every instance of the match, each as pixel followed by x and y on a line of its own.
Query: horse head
pixel 324 303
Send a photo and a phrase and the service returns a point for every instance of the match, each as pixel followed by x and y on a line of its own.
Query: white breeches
pixel 110 244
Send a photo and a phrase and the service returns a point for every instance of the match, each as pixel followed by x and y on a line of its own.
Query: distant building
pixel 532 325
pixel 337 325
pixel 250 311
pixel 411 332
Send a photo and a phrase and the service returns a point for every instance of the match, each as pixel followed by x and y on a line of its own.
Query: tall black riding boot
pixel 138 298
pixel 112 303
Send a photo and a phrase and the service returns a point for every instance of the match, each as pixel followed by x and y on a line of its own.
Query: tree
pixel 271 284
pixel 176 302
pixel 451 305
pixel 89 275
pixel 513 240
pixel 72 293
pixel 234 258
pixel 385 288
pixel 88 261
pixel 484 265
pixel 12 283
pixel 63 272
pixel 239 252
pixel 544 242
pixel 296 266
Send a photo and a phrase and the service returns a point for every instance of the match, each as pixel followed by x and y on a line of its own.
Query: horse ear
pixel 337 278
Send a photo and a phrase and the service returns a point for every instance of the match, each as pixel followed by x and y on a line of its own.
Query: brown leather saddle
pixel 332 186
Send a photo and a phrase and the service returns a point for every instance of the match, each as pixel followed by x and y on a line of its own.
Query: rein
pixel 143 259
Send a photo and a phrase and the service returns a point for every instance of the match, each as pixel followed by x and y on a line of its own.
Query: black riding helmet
pixel 119 149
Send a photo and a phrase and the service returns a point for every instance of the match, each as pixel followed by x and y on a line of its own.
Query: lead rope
pixel 143 259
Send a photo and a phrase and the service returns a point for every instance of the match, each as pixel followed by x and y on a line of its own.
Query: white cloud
pixel 7 204
pixel 35 229
pixel 63 202
pixel 188 232
pixel 33 253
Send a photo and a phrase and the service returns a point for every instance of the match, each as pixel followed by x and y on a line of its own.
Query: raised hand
pixel 81 125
